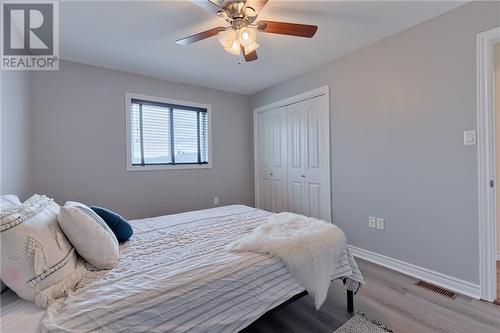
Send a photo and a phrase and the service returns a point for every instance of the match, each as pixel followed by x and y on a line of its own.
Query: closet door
pixel 295 153
pixel 278 170
pixel 309 158
pixel 272 160
pixel 264 162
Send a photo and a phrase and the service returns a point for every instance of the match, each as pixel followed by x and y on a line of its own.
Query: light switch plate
pixel 380 223
pixel 372 223
pixel 469 137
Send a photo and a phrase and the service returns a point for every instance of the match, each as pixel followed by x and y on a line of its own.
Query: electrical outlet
pixel 372 222
pixel 216 201
pixel 380 223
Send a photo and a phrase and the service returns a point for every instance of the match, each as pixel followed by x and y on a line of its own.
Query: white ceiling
pixel 139 37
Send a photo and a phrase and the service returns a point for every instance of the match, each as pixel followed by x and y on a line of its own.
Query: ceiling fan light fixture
pixel 240 37
pixel 235 47
pixel 247 36
pixel 227 37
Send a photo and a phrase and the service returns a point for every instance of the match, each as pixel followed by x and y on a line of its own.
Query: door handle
pixel 271 174
pixel 303 176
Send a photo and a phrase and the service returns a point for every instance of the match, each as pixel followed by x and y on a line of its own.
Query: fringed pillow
pixel 35 253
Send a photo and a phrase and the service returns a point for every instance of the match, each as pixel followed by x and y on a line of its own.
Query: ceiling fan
pixel 240 36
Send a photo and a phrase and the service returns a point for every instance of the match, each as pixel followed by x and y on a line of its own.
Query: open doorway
pixel 496 103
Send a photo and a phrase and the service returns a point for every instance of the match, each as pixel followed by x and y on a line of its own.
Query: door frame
pixel 324 90
pixel 486 163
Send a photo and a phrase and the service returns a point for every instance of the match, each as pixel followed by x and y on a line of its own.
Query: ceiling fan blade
pixel 250 56
pixel 209 5
pixel 284 28
pixel 199 36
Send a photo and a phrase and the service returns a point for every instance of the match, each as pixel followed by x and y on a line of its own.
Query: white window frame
pixel 130 167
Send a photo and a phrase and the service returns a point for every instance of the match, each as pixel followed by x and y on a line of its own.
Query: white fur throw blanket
pixel 308 247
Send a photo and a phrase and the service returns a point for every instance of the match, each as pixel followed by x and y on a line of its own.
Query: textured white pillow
pixel 90 235
pixel 8 201
pixel 35 253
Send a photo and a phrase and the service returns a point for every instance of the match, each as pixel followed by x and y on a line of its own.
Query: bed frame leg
pixel 350 301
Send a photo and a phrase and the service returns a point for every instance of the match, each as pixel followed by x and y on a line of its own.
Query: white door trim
pixel 325 90
pixel 486 163
pixel 294 99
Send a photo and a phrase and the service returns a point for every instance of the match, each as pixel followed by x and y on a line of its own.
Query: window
pixel 166 134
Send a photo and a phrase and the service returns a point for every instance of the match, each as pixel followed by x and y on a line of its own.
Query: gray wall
pixel 15 137
pixel 399 109
pixel 79 144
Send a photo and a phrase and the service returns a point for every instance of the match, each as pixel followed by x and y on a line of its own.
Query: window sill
pixel 168 167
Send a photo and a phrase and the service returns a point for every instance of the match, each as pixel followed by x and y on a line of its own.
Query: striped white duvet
pixel 174 275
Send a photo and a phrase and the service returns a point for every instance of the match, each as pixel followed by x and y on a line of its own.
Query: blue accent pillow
pixel 120 227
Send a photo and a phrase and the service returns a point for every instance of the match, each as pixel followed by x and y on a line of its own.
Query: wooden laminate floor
pixel 393 299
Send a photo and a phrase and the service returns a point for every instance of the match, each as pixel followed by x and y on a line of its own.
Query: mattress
pixel 175 275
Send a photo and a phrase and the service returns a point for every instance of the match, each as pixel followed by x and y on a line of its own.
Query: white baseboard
pixel 460 286
pixel 498 256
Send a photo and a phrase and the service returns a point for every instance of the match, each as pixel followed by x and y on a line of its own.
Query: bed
pixel 175 275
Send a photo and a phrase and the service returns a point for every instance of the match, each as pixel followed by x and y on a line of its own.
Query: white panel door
pixel 264 162
pixel 295 153
pixel 278 170
pixel 272 164
pixel 309 158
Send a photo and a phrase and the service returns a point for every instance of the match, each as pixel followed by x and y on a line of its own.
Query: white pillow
pixel 35 253
pixel 8 201
pixel 90 235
